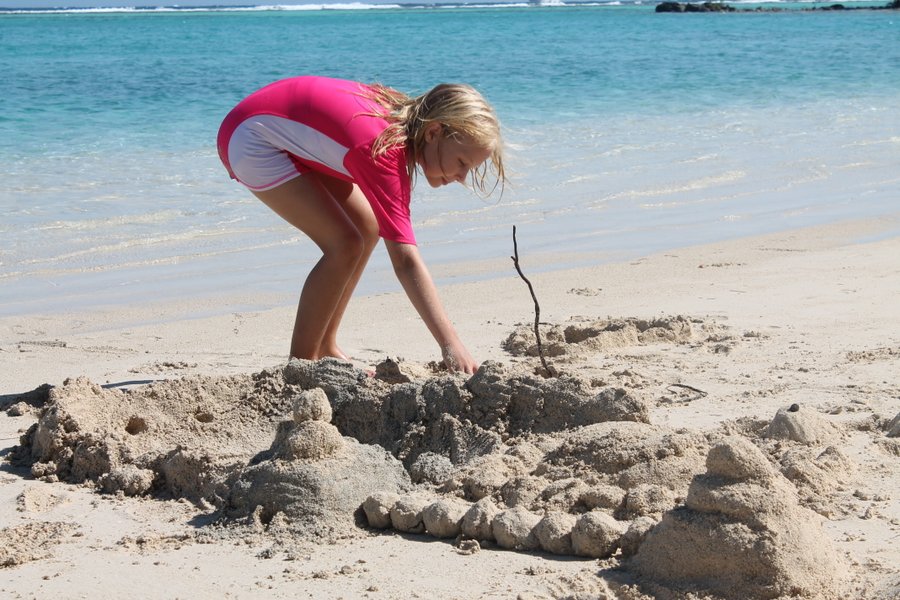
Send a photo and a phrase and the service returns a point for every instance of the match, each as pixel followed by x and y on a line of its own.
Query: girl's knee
pixel 348 247
pixel 370 238
pixel 363 239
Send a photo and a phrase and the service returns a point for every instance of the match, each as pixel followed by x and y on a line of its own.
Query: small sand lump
pixel 312 405
pixel 799 424
pixel 476 522
pixel 514 529
pixel 378 509
pixel 635 534
pixel 894 427
pixel 442 518
pixel 554 532
pixel 128 479
pixel 406 514
pixel 596 534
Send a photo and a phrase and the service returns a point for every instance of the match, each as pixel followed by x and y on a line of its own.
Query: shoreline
pixel 156 322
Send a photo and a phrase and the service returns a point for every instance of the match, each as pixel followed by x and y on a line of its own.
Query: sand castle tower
pixel 740 534
pixel 315 478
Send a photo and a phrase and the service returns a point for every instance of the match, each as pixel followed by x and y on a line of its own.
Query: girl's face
pixel 448 158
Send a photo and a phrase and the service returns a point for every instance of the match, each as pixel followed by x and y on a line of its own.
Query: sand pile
pixel 581 336
pixel 819 476
pixel 185 437
pixel 243 444
pixel 740 534
pixel 800 424
pixel 806 448
pixel 458 418
pixel 252 445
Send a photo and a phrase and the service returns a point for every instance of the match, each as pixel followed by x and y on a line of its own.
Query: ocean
pixel 628 132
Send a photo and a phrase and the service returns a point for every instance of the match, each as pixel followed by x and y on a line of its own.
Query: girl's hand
pixel 417 283
pixel 457 358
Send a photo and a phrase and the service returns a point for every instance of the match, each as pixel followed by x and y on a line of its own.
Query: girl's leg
pixel 306 203
pixel 360 212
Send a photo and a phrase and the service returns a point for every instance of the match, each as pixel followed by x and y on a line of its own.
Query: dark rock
pixel 669 7
pixel 694 7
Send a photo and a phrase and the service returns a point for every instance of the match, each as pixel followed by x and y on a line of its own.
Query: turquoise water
pixel 628 131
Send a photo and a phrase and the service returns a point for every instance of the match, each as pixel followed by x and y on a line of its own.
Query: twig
pixel 700 393
pixel 537 307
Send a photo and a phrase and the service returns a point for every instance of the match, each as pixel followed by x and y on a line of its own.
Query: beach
pixel 802 317
pixel 706 206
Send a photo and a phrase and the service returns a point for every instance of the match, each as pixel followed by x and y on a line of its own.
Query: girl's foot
pixel 334 352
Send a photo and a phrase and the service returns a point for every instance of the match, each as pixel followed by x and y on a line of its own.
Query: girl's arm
pixel 416 281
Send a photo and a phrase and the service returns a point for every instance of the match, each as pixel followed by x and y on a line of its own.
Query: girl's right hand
pixel 417 282
pixel 457 358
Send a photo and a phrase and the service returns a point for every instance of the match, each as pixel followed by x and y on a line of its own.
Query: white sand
pixel 807 317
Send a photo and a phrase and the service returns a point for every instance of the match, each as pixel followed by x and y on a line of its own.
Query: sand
pixel 725 423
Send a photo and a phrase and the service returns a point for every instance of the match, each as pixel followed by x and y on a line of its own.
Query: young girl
pixel 336 160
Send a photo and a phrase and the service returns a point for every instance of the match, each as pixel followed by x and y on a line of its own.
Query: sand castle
pixel 506 458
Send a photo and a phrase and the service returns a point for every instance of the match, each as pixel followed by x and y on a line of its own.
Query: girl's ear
pixel 433 131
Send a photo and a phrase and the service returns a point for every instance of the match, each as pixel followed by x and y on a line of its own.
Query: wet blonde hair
pixel 463 113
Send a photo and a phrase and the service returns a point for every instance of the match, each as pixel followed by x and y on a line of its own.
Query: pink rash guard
pixel 318 124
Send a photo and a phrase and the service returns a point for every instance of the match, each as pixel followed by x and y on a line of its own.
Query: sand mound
pixel 818 476
pixel 458 418
pixel 582 336
pixel 34 499
pixel 800 424
pixel 260 446
pixel 627 469
pixel 254 445
pixel 630 454
pixel 747 536
pixel 318 498
pixel 185 437
pixel 573 492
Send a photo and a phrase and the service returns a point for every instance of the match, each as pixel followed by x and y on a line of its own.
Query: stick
pixel 537 307
pixel 700 393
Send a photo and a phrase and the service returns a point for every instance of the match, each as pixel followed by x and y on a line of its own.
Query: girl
pixel 336 159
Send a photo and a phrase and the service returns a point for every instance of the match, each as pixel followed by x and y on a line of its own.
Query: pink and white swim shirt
pixel 301 124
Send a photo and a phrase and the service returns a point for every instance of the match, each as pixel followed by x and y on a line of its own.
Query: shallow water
pixel 628 132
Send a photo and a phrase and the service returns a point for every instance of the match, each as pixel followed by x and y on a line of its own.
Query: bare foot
pixel 334 352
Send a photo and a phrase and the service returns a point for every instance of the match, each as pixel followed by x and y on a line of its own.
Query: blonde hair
pixel 462 113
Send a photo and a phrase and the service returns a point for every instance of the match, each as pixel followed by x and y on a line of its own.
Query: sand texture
pixel 722 424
